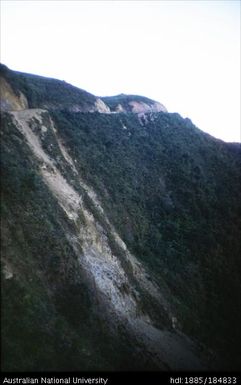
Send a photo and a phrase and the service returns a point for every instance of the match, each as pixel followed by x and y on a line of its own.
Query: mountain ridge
pixel 117 235
pixel 83 101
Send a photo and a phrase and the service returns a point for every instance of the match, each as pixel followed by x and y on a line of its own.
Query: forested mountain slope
pixel 120 234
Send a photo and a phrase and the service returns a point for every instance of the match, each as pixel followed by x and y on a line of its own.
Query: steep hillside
pixel 120 236
pixel 41 92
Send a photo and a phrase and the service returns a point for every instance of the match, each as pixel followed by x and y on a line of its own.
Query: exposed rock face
pixel 98 106
pixel 132 103
pixel 114 247
pixel 118 295
pixel 101 106
pixel 9 101
pixel 144 108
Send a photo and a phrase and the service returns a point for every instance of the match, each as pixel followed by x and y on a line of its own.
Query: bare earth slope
pixel 120 227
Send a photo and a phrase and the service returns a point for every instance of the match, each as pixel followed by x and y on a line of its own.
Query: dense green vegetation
pixel 50 318
pixel 173 194
pixel 42 92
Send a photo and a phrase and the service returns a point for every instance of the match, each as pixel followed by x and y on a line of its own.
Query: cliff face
pixel 9 100
pixel 133 103
pixel 113 252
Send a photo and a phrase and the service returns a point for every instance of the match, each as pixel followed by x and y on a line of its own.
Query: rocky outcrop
pixel 133 103
pixel 144 108
pixel 101 106
pixel 9 100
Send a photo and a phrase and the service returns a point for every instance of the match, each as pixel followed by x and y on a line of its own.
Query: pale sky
pixel 184 54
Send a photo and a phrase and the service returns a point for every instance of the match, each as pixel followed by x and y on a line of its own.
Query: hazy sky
pixel 185 54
